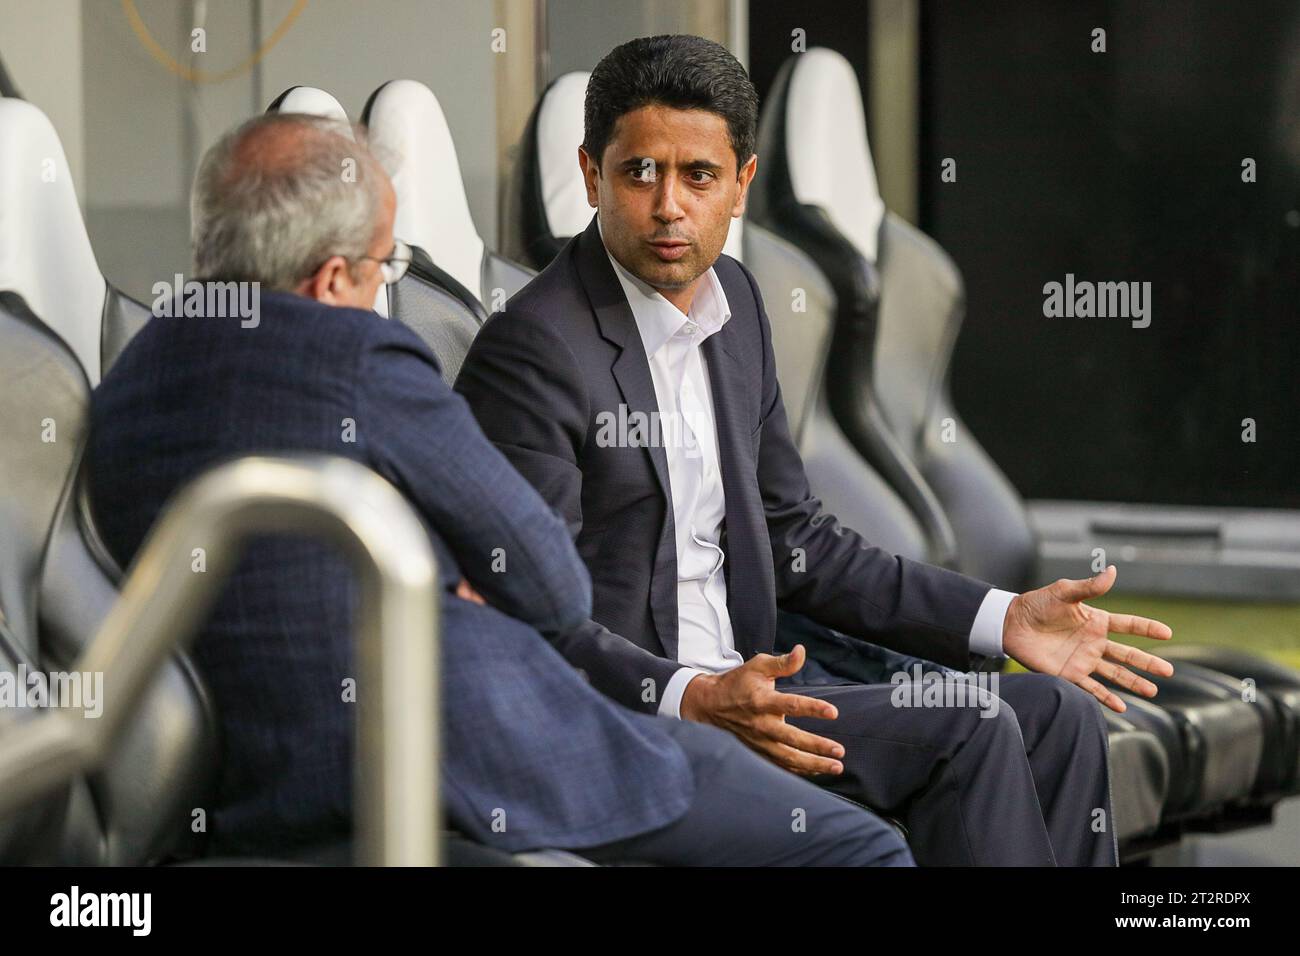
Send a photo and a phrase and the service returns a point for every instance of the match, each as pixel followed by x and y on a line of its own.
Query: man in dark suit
pixel 533 756
pixel 633 383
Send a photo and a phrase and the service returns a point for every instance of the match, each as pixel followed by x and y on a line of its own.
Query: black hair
pixel 683 72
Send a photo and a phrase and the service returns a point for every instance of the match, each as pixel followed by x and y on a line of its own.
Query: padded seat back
pixel 816 188
pixel 922 304
pixel 43 403
pixel 45 252
pixel 409 131
pixel 54 595
pixel 439 309
pixel 801 307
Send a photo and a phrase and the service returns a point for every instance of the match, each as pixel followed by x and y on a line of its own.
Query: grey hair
pixel 274 216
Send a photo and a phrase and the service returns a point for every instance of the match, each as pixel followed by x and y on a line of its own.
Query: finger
pixel 783 665
pixel 1126 678
pixel 806 765
pixel 797 705
pixel 1136 657
pixel 787 757
pixel 1139 627
pixel 1107 698
pixel 1075 590
pixel 805 742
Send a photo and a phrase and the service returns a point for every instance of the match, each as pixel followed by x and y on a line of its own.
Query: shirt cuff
pixel 670 705
pixel 986 632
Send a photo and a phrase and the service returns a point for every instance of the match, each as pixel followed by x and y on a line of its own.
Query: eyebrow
pixel 637 162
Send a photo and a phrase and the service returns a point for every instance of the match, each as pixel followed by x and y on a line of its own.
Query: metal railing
pixel 164 602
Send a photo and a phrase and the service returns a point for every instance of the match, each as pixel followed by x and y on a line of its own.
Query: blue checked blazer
pixel 533 756
pixel 565 349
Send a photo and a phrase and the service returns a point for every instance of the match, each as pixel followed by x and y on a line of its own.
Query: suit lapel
pixel 631 371
pixel 743 541
pixel 617 325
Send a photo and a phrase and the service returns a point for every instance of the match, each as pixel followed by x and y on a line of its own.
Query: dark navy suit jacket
pixel 533 756
pixel 565 349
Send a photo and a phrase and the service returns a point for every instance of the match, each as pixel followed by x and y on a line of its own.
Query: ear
pixel 590 175
pixel 330 283
pixel 744 179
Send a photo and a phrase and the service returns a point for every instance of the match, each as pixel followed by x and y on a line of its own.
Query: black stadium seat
pixel 892 363
pixel 1223 740
pixel 1273 692
pixel 853 278
pixel 1139 779
pixel 548 197
pixel 54 594
pixel 56 583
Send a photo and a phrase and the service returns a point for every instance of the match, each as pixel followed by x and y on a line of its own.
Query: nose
pixel 667 209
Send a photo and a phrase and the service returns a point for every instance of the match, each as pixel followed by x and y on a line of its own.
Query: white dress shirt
pixel 672 340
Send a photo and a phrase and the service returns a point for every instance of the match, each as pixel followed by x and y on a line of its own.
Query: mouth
pixel 669 250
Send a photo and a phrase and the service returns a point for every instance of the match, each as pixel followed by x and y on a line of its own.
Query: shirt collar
pixel 657 319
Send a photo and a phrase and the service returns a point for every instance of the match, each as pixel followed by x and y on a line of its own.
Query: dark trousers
pixel 745 812
pixel 749 812
pixel 1013 776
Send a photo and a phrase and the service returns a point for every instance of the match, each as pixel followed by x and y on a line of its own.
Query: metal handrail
pixel 164 602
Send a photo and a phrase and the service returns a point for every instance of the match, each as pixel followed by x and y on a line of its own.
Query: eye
pixel 701 177
pixel 645 173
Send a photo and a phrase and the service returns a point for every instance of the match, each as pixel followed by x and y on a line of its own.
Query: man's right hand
pixel 746 702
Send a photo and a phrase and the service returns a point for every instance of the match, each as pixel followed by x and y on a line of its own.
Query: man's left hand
pixel 1052 631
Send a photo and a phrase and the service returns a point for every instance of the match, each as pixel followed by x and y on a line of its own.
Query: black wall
pixel 836 24
pixel 1115 166
pixel 1124 165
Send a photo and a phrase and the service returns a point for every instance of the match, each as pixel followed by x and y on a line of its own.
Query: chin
pixel 674 275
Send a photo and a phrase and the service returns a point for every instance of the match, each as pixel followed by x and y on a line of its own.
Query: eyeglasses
pixel 394 265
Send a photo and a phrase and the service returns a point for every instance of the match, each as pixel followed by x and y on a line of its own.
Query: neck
pixel 683 297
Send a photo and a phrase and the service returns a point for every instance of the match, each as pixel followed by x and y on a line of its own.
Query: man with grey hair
pixel 533 756
pixel 253 195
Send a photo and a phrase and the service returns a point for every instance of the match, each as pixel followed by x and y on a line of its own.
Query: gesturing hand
pixel 746 702
pixel 1052 631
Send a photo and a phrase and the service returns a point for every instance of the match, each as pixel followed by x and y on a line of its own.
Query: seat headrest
pixel 410 134
pixel 559 134
pixel 316 102
pixel 310 100
pixel 826 144
pixel 45 253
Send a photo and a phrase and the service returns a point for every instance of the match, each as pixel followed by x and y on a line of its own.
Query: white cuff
pixel 670 704
pixel 986 632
